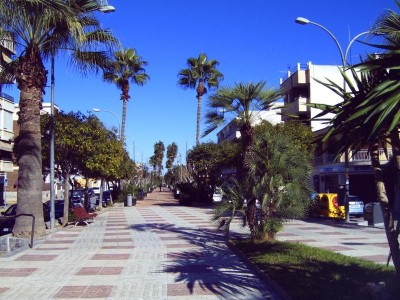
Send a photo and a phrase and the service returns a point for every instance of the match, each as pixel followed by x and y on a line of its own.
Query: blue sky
pixel 253 40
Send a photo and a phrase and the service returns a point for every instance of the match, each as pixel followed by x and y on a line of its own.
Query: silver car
pixel 356 206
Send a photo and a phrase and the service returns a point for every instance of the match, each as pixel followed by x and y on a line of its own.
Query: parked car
pixel 356 206
pixel 58 208
pixel 77 197
pixel 106 198
pixel 7 222
pixel 217 196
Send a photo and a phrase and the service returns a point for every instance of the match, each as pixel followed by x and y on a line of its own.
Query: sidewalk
pixel 365 242
pixel 154 250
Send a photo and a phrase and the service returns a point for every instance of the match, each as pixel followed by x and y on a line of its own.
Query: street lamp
pixel 119 120
pixel 343 56
pixel 105 7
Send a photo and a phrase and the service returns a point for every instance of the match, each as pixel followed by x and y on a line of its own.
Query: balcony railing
pixel 292 71
pixel 354 156
pixel 364 155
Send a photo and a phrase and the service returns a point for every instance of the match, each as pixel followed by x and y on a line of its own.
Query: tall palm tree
pixel 125 67
pixel 200 72
pixel 39 29
pixel 243 102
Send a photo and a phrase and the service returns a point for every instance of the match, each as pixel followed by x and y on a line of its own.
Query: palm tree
pixel 282 175
pixel 366 119
pixel 38 30
pixel 200 72
pixel 244 102
pixel 126 67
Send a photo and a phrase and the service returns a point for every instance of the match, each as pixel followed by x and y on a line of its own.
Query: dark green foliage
pixel 207 160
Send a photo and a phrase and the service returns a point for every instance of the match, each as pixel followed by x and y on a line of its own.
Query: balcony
pixel 298 76
pixel 361 156
pixel 364 155
pixel 297 107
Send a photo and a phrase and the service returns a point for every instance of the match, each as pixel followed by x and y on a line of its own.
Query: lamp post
pixel 119 120
pixel 343 57
pixel 105 7
pixel 52 134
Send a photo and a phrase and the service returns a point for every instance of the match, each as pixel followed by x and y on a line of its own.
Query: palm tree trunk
pixel 198 119
pixel 384 202
pixel 30 182
pixel 247 135
pixel 122 133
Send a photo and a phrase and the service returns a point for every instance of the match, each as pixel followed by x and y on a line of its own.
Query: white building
pixel 301 87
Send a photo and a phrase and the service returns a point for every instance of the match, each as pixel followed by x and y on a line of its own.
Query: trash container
pixel 373 214
pixel 129 200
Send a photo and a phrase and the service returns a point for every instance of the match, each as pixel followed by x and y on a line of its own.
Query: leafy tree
pixel 207 161
pixel 84 146
pixel 105 157
pixel 200 72
pixel 39 29
pixel 67 141
pixel 244 103
pixel 126 67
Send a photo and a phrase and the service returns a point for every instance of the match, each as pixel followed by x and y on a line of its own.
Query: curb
pixel 260 273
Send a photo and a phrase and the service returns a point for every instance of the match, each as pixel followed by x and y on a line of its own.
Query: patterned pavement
pixel 369 243
pixel 154 250
pixel 160 250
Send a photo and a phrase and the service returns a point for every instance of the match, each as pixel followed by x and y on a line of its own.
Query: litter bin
pixel 373 213
pixel 129 200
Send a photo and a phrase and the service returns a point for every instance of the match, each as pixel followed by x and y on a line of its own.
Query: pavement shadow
pixel 208 264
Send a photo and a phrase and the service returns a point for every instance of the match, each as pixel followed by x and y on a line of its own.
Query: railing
pixel 364 155
pixel 6 96
pixel 33 224
pixel 292 71
pixel 355 156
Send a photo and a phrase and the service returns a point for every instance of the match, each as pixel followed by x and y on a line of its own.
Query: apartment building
pixel 301 87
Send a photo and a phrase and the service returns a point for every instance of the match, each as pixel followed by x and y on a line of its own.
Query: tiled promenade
pixel 349 239
pixel 154 250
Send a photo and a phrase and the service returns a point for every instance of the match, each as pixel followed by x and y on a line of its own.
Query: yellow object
pixel 327 205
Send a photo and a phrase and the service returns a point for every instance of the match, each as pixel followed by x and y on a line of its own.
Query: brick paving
pixel 154 250
pixel 160 250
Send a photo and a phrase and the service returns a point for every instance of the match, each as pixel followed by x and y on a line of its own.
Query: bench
pixel 82 216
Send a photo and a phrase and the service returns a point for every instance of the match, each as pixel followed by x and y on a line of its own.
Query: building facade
pixel 301 88
pixel 6 125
